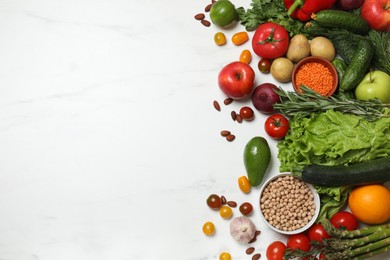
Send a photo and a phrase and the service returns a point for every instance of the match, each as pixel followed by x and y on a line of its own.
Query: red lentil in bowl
pixel 288 205
pixel 316 73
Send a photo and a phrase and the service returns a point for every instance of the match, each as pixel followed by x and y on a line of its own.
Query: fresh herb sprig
pixel 310 101
pixel 262 11
pixel 381 42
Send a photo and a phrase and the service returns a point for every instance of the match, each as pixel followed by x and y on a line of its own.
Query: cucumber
pixel 340 66
pixel 360 63
pixel 314 29
pixel 345 47
pixel 342 19
pixel 373 171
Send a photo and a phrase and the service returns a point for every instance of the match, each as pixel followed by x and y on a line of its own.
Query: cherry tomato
pixel 225 256
pixel 214 201
pixel 344 219
pixel 208 228
pixel 321 256
pixel 245 56
pixel 276 126
pixel 298 241
pixel 220 38
pixel 247 113
pixel 317 233
pixel 264 66
pixel 276 250
pixel 270 40
pixel 225 212
pixel 246 208
pixel 240 38
pixel 243 184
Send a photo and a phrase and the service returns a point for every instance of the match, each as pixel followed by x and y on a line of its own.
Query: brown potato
pixel 322 47
pixel 281 69
pixel 298 48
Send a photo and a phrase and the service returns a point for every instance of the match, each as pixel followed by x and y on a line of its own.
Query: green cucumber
pixel 359 65
pixel 369 172
pixel 340 66
pixel 257 157
pixel 345 46
pixel 314 29
pixel 342 19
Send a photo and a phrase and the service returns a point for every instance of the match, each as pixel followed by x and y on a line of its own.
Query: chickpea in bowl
pixel 288 205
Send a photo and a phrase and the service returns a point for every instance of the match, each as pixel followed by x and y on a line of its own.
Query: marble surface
pixel 109 143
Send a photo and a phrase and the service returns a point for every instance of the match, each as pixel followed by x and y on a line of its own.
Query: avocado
pixel 257 157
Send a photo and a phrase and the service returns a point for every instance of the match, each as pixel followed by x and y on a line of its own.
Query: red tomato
pixel 317 233
pixel 344 219
pixel 276 126
pixel 276 250
pixel 298 241
pixel 270 40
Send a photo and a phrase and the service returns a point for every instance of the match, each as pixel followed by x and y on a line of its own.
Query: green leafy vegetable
pixel 333 138
pixel 262 11
pixel 333 199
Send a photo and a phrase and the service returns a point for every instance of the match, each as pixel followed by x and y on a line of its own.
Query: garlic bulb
pixel 242 229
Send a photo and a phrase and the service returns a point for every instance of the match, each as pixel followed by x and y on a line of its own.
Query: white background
pixel 109 143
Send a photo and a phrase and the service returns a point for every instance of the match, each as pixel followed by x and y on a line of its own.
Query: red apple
pixel 236 80
pixel 377 14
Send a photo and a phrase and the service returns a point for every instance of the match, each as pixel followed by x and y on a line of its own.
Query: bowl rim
pixel 314 59
pixel 316 201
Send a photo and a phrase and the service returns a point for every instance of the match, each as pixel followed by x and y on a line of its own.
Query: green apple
pixel 376 84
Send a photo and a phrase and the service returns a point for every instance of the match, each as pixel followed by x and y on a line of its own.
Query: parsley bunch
pixel 262 11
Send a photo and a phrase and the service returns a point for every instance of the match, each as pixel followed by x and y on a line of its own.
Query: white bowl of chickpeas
pixel 288 205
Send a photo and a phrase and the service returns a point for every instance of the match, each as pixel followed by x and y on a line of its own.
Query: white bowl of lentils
pixel 288 205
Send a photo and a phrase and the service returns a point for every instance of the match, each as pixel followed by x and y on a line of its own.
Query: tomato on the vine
pixel 276 250
pixel 276 126
pixel 270 40
pixel 317 232
pixel 344 219
pixel 298 241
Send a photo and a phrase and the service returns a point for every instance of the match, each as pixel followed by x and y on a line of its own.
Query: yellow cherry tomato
pixel 225 256
pixel 208 228
pixel 246 56
pixel 225 212
pixel 220 38
pixel 243 184
pixel 240 38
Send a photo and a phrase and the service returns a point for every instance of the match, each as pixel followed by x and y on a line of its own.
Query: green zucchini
pixel 359 65
pixel 373 171
pixel 342 19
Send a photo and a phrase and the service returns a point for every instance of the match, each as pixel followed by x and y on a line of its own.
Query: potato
pixel 322 47
pixel 298 48
pixel 281 69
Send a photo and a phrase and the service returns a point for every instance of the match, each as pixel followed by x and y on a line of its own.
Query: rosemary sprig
pixel 310 101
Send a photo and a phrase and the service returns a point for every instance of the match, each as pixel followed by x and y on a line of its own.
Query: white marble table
pixel 109 143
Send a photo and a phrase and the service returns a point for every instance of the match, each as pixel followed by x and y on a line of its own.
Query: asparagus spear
pixel 342 244
pixel 334 232
pixel 362 252
pixel 379 251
